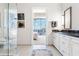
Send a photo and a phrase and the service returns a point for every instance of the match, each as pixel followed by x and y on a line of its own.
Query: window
pixel 40 26
pixel 39 21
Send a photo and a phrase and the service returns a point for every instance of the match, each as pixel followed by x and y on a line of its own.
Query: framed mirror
pixel 68 18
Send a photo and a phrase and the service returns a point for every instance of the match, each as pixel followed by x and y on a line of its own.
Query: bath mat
pixel 41 52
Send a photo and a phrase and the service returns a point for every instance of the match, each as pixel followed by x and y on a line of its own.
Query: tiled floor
pixel 27 50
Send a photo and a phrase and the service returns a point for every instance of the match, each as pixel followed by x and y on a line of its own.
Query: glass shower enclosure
pixel 8 29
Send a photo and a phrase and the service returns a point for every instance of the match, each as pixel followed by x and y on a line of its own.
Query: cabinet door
pixel 56 41
pixel 75 48
pixel 51 38
pixel 64 45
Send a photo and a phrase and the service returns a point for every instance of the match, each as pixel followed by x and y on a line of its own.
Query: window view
pixel 40 26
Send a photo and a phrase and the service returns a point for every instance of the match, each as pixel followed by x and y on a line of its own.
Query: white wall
pixel 75 13
pixel 53 13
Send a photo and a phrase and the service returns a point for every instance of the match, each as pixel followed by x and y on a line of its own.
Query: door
pixel 8 30
pixel 12 28
pixel 4 48
pixel 39 27
pixel 12 31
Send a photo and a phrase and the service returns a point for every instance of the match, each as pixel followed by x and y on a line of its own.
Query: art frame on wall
pixel 21 24
pixel 20 16
pixel 53 24
pixel 68 18
pixel 21 20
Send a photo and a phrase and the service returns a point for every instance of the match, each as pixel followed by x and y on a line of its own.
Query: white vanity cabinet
pixel 56 40
pixel 67 45
pixel 64 45
pixel 74 46
pixel 61 42
pixel 51 38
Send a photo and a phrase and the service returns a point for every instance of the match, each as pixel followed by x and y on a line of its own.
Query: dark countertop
pixel 74 33
pixel 71 34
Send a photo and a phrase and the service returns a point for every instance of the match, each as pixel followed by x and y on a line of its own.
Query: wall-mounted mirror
pixel 68 18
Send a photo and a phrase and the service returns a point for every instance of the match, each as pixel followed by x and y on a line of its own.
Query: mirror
pixel 68 18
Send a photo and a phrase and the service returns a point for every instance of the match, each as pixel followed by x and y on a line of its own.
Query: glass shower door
pixel 10 30
pixel 12 25
pixel 4 29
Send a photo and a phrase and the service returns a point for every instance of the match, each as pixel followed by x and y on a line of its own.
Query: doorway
pixel 39 25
